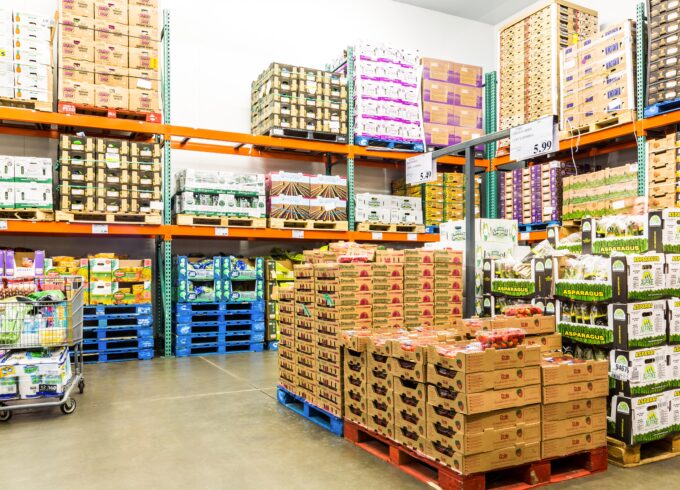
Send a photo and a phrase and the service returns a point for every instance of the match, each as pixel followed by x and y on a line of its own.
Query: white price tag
pixel 3 224
pixel 157 205
pixel 618 204
pixel 412 237
pixel 533 139
pixel 298 233
pixel 420 169
pixel 377 235
pixel 524 236
pixel 221 231
pixel 100 229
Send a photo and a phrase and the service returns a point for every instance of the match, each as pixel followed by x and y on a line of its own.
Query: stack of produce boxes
pixel 661 31
pixel 388 289
pixel 452 102
pixel 418 288
pixel 381 209
pixel 529 54
pixel 355 378
pixel 119 281
pixel 662 170
pixel 379 388
pixel 296 101
pixel 532 195
pixel 109 55
pixel 287 352
pixel 448 287
pixel 26 58
pixel 219 193
pixel 597 79
pixel 26 183
pixel 388 97
pixel 305 339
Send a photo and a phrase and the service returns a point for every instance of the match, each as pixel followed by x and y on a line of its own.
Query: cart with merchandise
pixel 41 323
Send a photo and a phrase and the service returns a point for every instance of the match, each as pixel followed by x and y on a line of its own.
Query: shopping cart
pixel 41 324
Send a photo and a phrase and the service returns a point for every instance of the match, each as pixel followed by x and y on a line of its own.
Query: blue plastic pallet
pixel 102 333
pixel 662 107
pixel 220 307
pixel 389 144
pixel 230 348
pixel 207 328
pixel 112 345
pixel 209 340
pixel 273 345
pixel 118 321
pixel 120 355
pixel 537 226
pixel 112 311
pixel 299 405
pixel 432 229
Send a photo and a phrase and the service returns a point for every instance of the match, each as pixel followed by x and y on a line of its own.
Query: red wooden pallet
pixel 530 475
pixel 71 108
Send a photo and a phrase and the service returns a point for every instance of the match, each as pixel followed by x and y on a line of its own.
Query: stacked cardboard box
pixel 452 102
pixel 305 339
pixel 388 289
pixel 355 383
pixel 219 193
pixel 378 208
pixel 297 196
pixel 662 77
pixel 662 171
pixel 287 351
pixel 288 98
pixel 597 78
pixel 608 191
pixel 388 96
pixel 448 287
pixel 109 176
pixel 532 195
pixel 443 200
pixel 529 57
pixel 25 183
pixel 418 288
pixel 119 281
pixel 108 54
pixel 379 389
pixel 26 57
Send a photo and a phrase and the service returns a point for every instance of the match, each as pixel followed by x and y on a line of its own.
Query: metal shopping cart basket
pixel 41 325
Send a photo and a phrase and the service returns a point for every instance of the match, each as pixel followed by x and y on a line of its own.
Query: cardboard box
pixel 554 448
pixel 575 391
pixel 111 10
pixel 111 32
pixel 487 360
pixel 492 439
pixel 76 71
pixel 558 429
pixel 84 8
pixel 110 54
pixel 111 76
pixel 143 16
pixel 563 370
pixel 443 451
pixel 76 49
pixel 146 80
pixel 482 381
pixel 485 401
pixel 144 37
pixel 143 58
pixel 547 343
pixel 144 101
pixel 31 195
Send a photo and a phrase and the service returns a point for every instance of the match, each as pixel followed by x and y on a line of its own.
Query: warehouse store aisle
pixel 209 422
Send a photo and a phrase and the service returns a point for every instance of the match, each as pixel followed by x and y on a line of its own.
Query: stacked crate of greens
pixel 618 299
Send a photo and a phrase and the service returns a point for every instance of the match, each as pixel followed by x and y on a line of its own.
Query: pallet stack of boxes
pixel 388 289
pixel 26 183
pixel 111 176
pixel 219 193
pixel 532 195
pixel 305 341
pixel 26 58
pixel 299 102
pixel 597 80
pixel 529 57
pixel 380 209
pixel 661 31
pixel 452 102
pixel 108 54
pixel 287 351
pixel 662 169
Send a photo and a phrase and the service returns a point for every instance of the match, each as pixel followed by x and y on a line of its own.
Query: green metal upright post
pixel 640 100
pixel 490 95
pixel 350 136
pixel 165 247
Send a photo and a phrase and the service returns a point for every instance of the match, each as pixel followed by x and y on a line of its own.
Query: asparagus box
pixel 638 325
pixel 640 372
pixel 673 314
pixel 640 419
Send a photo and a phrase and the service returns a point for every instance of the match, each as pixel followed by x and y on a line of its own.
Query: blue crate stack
pixel 117 333
pixel 219 307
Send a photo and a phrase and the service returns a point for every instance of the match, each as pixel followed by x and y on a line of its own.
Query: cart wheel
pixel 68 407
pixel 81 386
pixel 5 415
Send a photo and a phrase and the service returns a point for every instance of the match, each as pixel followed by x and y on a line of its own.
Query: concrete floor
pixel 209 422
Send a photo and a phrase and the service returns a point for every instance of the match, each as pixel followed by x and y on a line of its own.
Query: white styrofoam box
pixel 200 180
pixel 411 217
pixel 373 215
pixel 32 94
pixel 23 18
pixel 368 200
pixel 32 169
pixel 487 230
pixel 406 203
pixel 6 23
pixel 32 76
pixel 6 168
pixel 7 195
pixel 32 32
pixel 33 51
pixel 33 195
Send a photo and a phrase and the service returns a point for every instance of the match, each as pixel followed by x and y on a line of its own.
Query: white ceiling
pixel 487 11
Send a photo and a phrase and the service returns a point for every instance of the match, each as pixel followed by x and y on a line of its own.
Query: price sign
pixel 221 231
pixel 412 237
pixel 534 139
pixel 524 236
pixel 100 229
pixel 3 224
pixel 377 235
pixel 298 233
pixel 420 169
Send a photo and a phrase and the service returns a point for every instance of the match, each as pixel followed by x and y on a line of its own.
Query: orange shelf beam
pixel 533 236
pixel 56 228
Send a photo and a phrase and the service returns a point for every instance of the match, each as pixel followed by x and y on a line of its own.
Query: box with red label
pixel 564 369
pixel 460 358
pixel 564 446
pixel 482 381
pixel 442 450
pixel 485 401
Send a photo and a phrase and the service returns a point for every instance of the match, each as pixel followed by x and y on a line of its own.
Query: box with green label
pixel 640 372
pixel 640 419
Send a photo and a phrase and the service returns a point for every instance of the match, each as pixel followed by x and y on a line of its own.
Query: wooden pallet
pixel 27 104
pixel 26 214
pixel 390 227
pixel 612 120
pixel 307 224
pixel 437 475
pixel 108 218
pixel 225 221
pixel 111 112
pixel 625 456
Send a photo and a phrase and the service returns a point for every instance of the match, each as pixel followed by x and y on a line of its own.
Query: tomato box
pixel 557 429
pixel 485 401
pixel 493 438
pixel 448 270
pixel 482 381
pixel 387 284
pixel 388 270
pixel 420 255
pixel 443 451
pixel 575 391
pixel 563 370
pixel 458 358
pixel 409 433
pixel 532 325
pixel 421 283
pixel 409 370
pixel 387 298
pixel 448 421
pixel 547 343
pixel 554 448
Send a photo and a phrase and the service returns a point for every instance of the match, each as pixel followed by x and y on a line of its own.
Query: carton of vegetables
pixel 625 234
pixel 664 231
pixel 527 317
pixel 640 372
pixel 673 365
pixel 638 325
pixel 673 314
pixel 584 322
pixel 674 406
pixel 508 277
pixel 618 278
pixel 640 419
pixel 493 306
